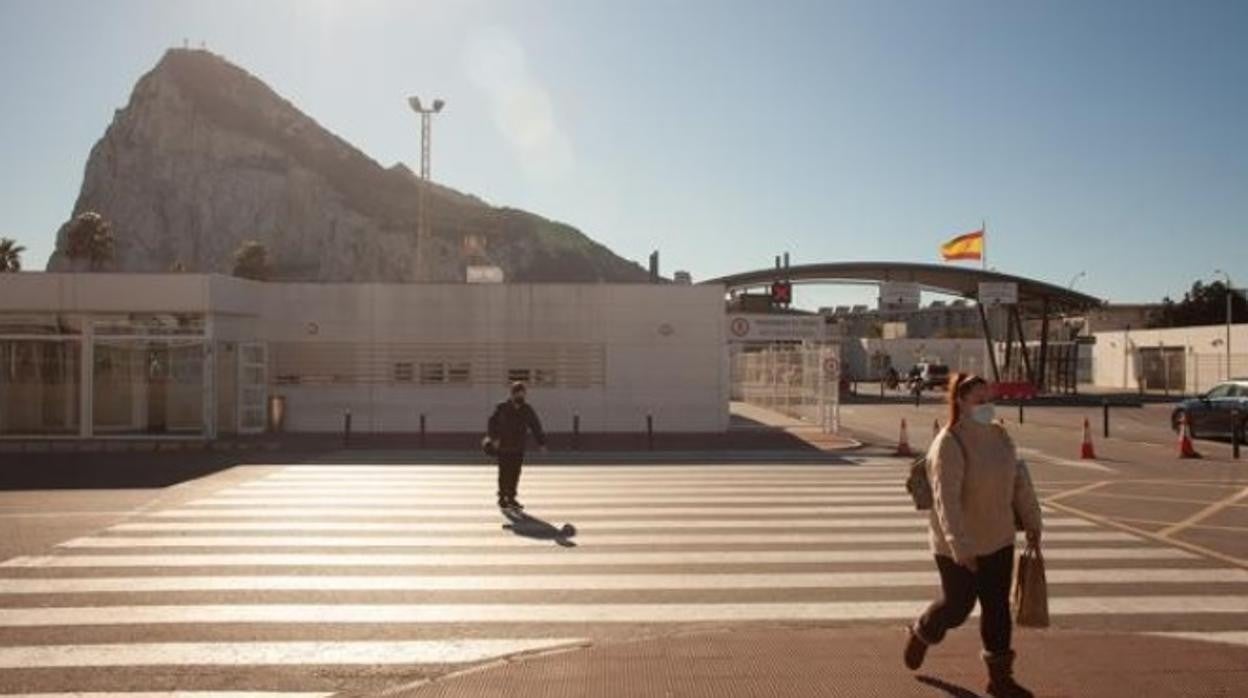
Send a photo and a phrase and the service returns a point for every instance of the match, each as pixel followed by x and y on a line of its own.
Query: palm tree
pixel 10 255
pixel 251 261
pixel 90 237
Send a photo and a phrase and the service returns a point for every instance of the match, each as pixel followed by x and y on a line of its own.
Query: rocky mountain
pixel 206 156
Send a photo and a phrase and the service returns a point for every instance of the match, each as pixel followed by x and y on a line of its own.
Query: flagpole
pixel 983 257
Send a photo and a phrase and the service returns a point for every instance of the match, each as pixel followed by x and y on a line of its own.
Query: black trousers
pixel 960 588
pixel 509 465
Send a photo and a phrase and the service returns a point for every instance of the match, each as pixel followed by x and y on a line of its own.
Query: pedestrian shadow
pixel 529 526
pixel 952 689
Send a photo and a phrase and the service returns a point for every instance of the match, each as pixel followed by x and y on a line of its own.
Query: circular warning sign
pixel 740 326
pixel 831 365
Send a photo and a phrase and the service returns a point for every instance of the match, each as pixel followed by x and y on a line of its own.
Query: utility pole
pixel 426 137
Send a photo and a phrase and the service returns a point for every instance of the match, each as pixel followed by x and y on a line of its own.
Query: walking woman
pixel 980 494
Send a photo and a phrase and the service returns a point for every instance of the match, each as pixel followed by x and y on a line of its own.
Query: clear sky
pixel 1109 137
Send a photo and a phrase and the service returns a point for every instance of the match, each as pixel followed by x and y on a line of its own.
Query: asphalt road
pixel 318 578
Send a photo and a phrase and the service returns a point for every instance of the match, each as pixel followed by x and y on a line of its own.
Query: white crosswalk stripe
pixel 283 571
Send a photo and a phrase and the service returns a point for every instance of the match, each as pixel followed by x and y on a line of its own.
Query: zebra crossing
pixel 317 578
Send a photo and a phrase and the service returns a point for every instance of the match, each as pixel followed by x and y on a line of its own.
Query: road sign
pixel 781 292
pixel 992 293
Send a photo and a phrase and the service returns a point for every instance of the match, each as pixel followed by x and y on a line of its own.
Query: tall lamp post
pixel 1229 291
pixel 426 136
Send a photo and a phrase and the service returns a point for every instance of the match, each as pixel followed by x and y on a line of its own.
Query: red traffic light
pixel 781 292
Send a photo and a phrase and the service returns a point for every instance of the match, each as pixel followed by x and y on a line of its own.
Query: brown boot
pixel 916 649
pixel 1001 677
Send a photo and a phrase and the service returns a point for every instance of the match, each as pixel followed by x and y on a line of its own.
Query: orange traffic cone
pixel 1186 450
pixel 903 442
pixel 1086 452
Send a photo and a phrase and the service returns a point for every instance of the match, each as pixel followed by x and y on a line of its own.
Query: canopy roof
pixel 943 278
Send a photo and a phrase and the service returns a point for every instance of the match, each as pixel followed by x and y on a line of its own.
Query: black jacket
pixel 509 423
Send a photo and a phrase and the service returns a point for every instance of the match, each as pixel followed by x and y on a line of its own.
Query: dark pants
pixel 960 588
pixel 509 473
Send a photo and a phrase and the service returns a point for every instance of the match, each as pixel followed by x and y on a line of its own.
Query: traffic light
pixel 781 293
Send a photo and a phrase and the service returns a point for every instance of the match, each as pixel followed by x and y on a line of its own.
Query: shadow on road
pixel 949 688
pixel 107 471
pixel 529 526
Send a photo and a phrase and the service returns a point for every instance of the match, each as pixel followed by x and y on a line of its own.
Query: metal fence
pixel 798 380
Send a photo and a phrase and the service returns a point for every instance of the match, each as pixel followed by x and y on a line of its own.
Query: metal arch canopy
pixel 1032 294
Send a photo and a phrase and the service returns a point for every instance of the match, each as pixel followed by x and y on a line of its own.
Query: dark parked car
pixel 1213 414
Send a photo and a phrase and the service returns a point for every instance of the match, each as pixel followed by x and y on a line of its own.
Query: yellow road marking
pixel 1206 512
pixel 1078 490
pixel 1150 498
pixel 1201 527
pixel 1190 547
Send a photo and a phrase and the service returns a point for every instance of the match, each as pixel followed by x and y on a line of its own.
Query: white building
pixel 96 355
pixel 1181 359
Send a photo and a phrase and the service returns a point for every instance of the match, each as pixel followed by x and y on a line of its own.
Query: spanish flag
pixel 968 246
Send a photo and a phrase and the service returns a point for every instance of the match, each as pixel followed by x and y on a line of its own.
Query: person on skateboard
pixel 508 433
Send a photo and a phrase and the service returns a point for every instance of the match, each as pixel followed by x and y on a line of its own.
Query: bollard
pixel 346 428
pixel 422 429
pixel 1020 410
pixel 918 394
pixel 650 432
pixel 1237 433
pixel 576 432
pixel 1105 418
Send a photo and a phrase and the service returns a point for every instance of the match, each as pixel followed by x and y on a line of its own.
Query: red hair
pixel 961 385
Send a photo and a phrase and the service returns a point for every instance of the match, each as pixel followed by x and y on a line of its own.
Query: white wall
pixel 1115 356
pixel 664 347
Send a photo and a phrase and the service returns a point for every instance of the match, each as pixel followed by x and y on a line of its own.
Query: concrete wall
pixel 662 347
pixel 1117 361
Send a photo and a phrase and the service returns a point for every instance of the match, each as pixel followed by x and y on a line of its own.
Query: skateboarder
pixel 508 432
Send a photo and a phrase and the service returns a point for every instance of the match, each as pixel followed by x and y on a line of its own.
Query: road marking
pixel 1203 514
pixel 270 653
pixel 589 582
pixel 713 470
pixel 547 512
pixel 1224 637
pixel 549 557
pixel 387 614
pixel 492 525
pixel 1172 542
pixel 657 490
pixel 1153 498
pixel 1076 491
pixel 660 539
pixel 407 502
pixel 1200 527
pixel 1054 460
pixel 176 694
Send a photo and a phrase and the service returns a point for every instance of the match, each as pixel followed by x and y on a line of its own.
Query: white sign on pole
pixel 993 293
pixel 899 294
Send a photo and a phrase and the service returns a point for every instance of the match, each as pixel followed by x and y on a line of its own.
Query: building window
pixel 403 372
pixel 432 373
pixel 544 377
pixel 518 374
pixel 459 372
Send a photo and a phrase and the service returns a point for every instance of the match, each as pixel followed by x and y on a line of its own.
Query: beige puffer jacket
pixel 976 498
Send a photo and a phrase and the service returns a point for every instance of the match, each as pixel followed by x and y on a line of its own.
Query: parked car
pixel 933 375
pixel 1213 414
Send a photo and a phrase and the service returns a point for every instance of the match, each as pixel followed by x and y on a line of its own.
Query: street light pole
pixel 426 138
pixel 1229 291
pixel 1075 279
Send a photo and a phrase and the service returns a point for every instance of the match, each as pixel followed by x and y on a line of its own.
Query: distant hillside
pixel 206 156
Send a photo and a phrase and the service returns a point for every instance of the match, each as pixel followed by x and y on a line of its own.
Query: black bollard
pixel 1020 410
pixel 650 432
pixel 422 429
pixel 1237 433
pixel 1105 418
pixel 576 432
pixel 346 428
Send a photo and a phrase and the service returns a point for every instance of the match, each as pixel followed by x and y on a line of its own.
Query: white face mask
pixel 985 413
